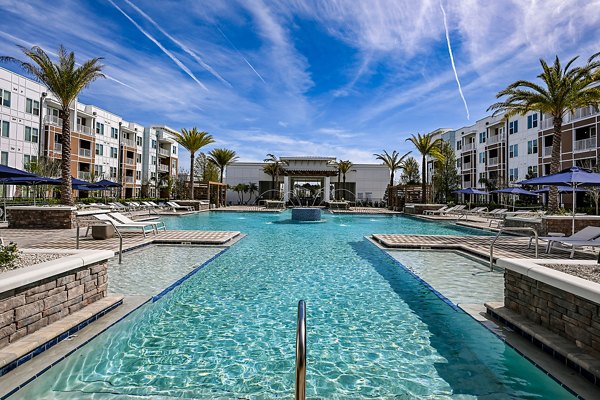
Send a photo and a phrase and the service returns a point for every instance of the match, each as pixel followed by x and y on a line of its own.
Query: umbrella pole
pixel 4 185
pixel 573 211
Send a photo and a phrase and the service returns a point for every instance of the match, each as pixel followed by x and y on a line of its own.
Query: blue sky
pixel 341 78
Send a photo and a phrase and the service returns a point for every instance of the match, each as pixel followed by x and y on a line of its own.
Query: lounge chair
pixel 157 225
pixel 176 206
pixel 119 206
pixel 585 235
pixel 454 210
pixel 119 225
pixel 148 204
pixel 136 205
pixel 579 244
pixel 433 212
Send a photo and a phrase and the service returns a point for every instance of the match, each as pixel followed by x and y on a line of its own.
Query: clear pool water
pixel 459 278
pixel 229 331
pixel 149 270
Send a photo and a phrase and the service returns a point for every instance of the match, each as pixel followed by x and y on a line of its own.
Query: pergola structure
pixel 214 192
pixel 399 195
pixel 308 169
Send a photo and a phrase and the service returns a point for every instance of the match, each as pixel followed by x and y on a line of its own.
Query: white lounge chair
pixel 454 210
pixel 176 206
pixel 119 225
pixel 157 225
pixel 585 235
pixel 433 212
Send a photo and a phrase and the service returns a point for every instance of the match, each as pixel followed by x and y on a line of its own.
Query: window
pixel 175 149
pixel 513 151
pixel 458 145
pixel 32 106
pixel 513 174
pixel 5 128
pixel 114 133
pixel 153 143
pixel 99 149
pixel 138 158
pixel 28 159
pixel 113 172
pixel 139 140
pixel 481 137
pixel 532 146
pixel 4 158
pixel 513 127
pixel 532 121
pixel 174 166
pixel 153 160
pixel 114 152
pixel 532 171
pixel 98 170
pixel 138 175
pixel 5 98
pixel 31 134
pixel 482 157
pixel 99 128
pixel 481 175
pixel 458 163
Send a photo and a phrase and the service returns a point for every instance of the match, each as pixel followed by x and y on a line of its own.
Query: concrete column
pixel 286 189
pixel 327 191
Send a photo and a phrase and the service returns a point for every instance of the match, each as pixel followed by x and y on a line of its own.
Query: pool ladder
pixel 301 352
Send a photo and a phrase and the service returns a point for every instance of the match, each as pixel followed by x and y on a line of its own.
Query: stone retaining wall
pixel 568 315
pixel 554 223
pixel 41 217
pixel 28 308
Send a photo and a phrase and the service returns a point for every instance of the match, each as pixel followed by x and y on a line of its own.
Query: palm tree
pixel 271 170
pixel 392 161
pixel 65 80
pixel 276 169
pixel 344 168
pixel 425 145
pixel 222 158
pixel 410 173
pixel 563 90
pixel 252 189
pixel 193 140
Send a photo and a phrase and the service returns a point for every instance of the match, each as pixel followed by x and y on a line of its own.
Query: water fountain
pixel 306 214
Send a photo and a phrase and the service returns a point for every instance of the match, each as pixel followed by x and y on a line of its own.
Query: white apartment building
pixel 160 158
pixel 103 144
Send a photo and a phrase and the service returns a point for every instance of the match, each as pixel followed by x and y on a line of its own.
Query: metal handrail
pixel 301 352
pixel 513 229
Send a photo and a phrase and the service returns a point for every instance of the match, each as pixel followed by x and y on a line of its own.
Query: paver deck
pixel 505 247
pixel 365 210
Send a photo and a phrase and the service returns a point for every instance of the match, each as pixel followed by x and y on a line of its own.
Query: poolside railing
pixel 301 352
pixel 513 229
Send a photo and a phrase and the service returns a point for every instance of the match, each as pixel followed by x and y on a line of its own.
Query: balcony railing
pixel 85 152
pixel 58 147
pixel 86 176
pixel 84 129
pixel 129 179
pixel 129 142
pixel 163 152
pixel 468 147
pixel 492 161
pixel 466 166
pixel 547 151
pixel 130 161
pixel 495 139
pixel 547 123
pixel 53 120
pixel 163 168
pixel 585 144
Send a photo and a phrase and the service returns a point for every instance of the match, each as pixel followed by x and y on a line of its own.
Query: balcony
pixel 493 161
pixel 130 161
pixel 468 147
pixel 85 152
pixel 163 168
pixel 53 120
pixel 58 147
pixel 495 139
pixel 585 144
pixel 128 142
pixel 163 152
pixel 129 179
pixel 84 129
pixel 466 166
pixel 86 176
pixel 547 151
pixel 547 123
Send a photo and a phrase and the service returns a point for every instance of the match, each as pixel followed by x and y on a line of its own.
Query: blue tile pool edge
pixel 458 309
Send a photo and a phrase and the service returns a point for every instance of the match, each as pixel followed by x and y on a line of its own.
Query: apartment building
pixel 160 158
pixel 103 144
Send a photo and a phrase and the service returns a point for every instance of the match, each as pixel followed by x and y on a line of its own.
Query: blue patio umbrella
pixel 561 189
pixel 515 191
pixel 470 191
pixel 9 172
pixel 105 183
pixel 27 179
pixel 574 177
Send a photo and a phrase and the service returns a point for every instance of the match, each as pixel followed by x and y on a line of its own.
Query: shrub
pixel 8 255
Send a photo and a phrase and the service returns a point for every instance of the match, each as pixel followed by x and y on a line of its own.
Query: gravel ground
pixel 589 272
pixel 31 259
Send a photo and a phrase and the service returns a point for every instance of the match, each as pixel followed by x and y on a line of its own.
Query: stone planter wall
pixel 562 312
pixel 417 209
pixel 22 217
pixel 32 305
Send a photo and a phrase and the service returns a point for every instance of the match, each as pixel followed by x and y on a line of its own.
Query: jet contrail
pixel 160 46
pixel 189 51
pixel 29 44
pixel 241 55
pixel 452 61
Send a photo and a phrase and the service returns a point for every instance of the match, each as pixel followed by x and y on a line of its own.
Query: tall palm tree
pixel 193 140
pixel 393 161
pixel 344 168
pixel 222 158
pixel 65 80
pixel 426 145
pixel 271 170
pixel 276 169
pixel 562 90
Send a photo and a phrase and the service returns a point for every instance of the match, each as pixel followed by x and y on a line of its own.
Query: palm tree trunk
pixel 221 177
pixel 192 175
pixel 272 186
pixel 392 178
pixel 555 164
pixel 66 189
pixel 424 184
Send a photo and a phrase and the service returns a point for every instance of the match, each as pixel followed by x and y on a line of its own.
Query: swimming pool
pixel 229 330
